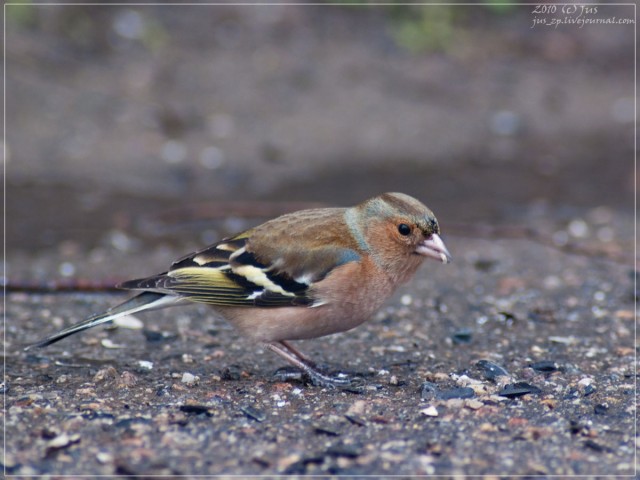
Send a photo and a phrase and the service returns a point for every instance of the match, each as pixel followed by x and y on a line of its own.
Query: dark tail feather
pixel 139 303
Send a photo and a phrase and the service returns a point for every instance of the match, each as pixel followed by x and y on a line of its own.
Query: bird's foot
pixel 317 378
pixel 307 370
pixel 338 380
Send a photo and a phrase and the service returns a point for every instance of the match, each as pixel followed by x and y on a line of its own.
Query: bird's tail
pixel 139 303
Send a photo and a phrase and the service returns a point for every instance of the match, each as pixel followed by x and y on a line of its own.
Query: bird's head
pixel 399 229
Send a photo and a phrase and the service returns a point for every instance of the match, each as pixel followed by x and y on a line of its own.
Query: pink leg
pixel 317 377
pixel 297 353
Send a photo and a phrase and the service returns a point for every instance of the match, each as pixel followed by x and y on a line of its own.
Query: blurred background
pixel 131 128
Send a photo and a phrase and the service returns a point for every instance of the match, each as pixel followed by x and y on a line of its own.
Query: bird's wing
pixel 230 274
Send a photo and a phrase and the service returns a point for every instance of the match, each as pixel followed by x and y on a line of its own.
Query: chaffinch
pixel 301 275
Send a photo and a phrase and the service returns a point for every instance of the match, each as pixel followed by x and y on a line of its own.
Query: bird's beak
pixel 433 247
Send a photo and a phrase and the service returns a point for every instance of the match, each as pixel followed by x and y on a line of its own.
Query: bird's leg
pixel 305 358
pixel 317 378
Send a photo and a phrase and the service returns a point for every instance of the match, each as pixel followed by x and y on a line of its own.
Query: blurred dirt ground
pixel 138 134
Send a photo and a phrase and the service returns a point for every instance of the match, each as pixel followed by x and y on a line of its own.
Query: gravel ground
pixel 517 359
pixel 184 395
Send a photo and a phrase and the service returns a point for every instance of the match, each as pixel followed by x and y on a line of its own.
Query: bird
pixel 302 275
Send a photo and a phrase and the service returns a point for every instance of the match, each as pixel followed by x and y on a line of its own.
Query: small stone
pixel 462 336
pixel 145 364
pixel 284 464
pixel 550 403
pixel 600 409
pixel 624 314
pixel 253 413
pixel 462 392
pixel 485 264
pixel 187 358
pixel 428 390
pixel 518 389
pixel 128 321
pixel 326 430
pixel 104 457
pixel 357 408
pixel 341 450
pixel 578 228
pixel 545 366
pixel 585 381
pixel 593 445
pixel 491 370
pixel 108 343
pixel 355 419
pixel 62 441
pixel 488 427
pixel 189 379
pixel 430 411
pixel 406 300
pixel 195 409
pixel 127 379
pixel 103 374
pixel 455 403
pixel 152 336
pixel 473 404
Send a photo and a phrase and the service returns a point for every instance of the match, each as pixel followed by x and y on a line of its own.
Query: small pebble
pixel 473 404
pixel 127 379
pixel 463 392
pixel 491 370
pixel 593 445
pixel 518 389
pixel 146 364
pixel 326 430
pixel 462 336
pixel 107 343
pixel 341 450
pixel 104 457
pixel 195 409
pixel 600 409
pixel 62 441
pixel 128 321
pixel 428 390
pixel 585 381
pixel 545 366
pixel 152 336
pixel 187 358
pixel 189 379
pixel 485 265
pixel 120 241
pixel 355 419
pixel 357 408
pixel 578 228
pixel 253 413
pixel 430 411
pixel 67 269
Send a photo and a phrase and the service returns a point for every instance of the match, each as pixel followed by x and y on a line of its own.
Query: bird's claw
pixel 316 378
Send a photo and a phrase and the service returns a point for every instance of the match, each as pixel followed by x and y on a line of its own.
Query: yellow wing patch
pixel 202 277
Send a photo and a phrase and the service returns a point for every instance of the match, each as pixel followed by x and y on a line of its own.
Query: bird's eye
pixel 404 229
